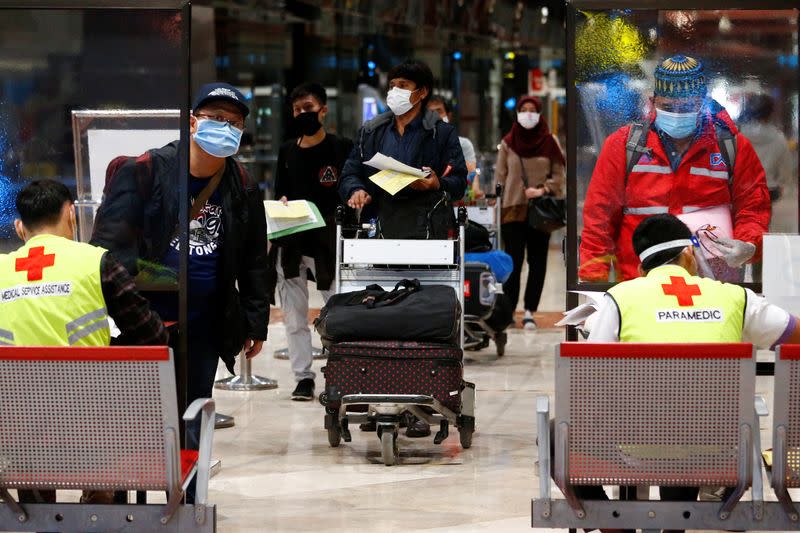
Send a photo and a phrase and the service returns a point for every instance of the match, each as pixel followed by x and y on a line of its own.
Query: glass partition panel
pixel 74 79
pixel 685 111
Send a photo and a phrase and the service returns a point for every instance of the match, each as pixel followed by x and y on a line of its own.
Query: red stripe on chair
pixel 188 460
pixel 635 350
pixel 75 353
pixel 790 352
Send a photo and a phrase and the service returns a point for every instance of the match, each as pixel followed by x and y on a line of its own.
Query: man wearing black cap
pixel 227 236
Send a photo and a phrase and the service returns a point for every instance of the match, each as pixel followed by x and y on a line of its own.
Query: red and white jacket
pixel 613 208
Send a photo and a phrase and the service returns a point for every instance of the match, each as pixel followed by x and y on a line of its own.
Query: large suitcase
pixel 394 367
pixel 411 312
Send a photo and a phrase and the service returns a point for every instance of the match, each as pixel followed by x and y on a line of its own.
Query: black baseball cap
pixel 220 91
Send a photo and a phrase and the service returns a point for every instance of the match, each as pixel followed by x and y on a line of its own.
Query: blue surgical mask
pixel 219 139
pixel 676 125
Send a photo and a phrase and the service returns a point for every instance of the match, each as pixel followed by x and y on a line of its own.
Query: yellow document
pixel 392 181
pixel 294 209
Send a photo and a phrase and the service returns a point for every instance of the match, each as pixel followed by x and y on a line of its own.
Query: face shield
pixel 678 245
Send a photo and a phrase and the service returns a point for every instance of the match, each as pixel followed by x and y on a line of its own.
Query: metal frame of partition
pixel 573 7
pixel 86 202
pixel 183 8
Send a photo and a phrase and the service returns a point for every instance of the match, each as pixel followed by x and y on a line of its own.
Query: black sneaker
pixel 304 392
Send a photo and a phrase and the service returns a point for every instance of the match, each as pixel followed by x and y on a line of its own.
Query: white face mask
pixel 528 119
pixel 399 100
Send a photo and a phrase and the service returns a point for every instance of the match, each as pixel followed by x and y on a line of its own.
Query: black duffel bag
pixel 410 312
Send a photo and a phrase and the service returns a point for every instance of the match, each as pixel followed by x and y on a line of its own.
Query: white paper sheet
pixel 274 225
pixel 578 315
pixel 383 162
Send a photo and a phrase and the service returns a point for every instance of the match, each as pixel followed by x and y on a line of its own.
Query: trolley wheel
pixel 334 435
pixel 389 447
pixel 500 341
pixel 465 430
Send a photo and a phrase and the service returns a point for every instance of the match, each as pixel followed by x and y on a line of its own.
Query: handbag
pixel 545 213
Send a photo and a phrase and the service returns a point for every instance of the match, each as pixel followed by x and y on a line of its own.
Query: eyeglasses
pixel 238 124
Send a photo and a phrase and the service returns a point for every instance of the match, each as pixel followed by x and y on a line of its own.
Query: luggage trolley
pixel 362 262
pixel 487 212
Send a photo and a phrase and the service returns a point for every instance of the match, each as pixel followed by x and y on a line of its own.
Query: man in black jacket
pixel 417 137
pixel 227 243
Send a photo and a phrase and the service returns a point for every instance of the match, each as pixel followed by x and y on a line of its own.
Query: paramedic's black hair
pixel 39 203
pixel 655 230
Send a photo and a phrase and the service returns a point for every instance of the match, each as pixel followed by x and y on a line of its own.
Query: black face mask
pixel 308 123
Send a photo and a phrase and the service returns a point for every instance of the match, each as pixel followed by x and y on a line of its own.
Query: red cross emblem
pixel 35 263
pixel 681 290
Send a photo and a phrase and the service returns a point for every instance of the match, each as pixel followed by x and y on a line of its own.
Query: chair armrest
pixel 543 444
pixel 206 407
pixel 757 497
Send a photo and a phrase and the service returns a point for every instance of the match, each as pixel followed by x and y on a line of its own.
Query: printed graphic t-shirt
pixel 313 173
pixel 205 242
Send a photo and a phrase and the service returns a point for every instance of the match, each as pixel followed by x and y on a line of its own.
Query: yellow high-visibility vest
pixel 51 295
pixel 670 305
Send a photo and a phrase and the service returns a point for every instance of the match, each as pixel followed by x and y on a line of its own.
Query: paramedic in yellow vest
pixel 58 292
pixel 670 302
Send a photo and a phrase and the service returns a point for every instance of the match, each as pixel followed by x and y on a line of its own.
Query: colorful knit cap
pixel 680 76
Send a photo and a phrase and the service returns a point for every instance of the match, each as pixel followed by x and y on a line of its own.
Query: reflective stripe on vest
pixel 669 304
pixel 96 320
pixel 51 295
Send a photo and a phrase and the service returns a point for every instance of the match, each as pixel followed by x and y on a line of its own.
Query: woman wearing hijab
pixel 530 154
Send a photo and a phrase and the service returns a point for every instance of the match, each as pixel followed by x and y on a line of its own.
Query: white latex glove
pixel 736 253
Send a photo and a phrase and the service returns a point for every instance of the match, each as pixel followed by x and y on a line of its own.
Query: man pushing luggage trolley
pixel 396 352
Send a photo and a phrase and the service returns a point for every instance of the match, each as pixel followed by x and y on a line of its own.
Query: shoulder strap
pixel 205 194
pixel 524 175
pixel 727 146
pixel 635 146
